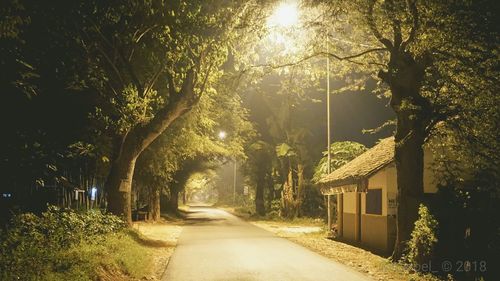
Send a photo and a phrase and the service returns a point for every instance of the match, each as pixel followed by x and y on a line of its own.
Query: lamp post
pixel 222 135
pixel 328 130
pixel 286 15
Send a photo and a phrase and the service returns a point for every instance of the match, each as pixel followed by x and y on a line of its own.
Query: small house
pixel 366 190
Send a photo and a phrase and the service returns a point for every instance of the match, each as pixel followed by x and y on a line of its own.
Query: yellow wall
pixel 374 232
pixel 350 202
pixel 349 231
pixel 378 181
pixel 349 223
pixel 378 231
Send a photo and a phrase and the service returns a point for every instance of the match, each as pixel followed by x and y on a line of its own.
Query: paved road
pixel 215 245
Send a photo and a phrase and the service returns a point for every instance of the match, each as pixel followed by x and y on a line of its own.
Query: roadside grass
pixel 66 245
pixel 118 256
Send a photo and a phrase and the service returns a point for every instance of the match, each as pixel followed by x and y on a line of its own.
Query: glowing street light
pixel 222 135
pixel 286 15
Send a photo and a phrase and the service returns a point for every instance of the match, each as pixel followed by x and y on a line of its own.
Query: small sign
pixel 392 204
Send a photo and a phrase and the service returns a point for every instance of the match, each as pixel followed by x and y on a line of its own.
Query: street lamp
pixel 328 130
pixel 222 135
pixel 286 15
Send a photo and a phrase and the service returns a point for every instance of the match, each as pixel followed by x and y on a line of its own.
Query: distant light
pixel 222 135
pixel 6 195
pixel 285 15
pixel 93 193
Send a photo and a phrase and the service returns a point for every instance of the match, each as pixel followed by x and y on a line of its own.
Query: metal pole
pixel 328 168
pixel 234 183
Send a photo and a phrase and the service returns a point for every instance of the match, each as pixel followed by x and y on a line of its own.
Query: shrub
pixel 275 209
pixel 423 238
pixel 32 245
pixel 314 203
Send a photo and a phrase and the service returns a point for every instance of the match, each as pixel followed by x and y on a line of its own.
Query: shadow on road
pixel 200 220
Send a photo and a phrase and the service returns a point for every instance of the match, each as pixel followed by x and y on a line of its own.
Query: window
pixel 374 202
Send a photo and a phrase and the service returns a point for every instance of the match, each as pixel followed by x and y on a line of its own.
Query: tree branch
pixel 373 27
pixel 341 58
pixel 412 7
pixel 124 59
pixel 153 79
pixel 131 72
pixel 171 84
pixel 143 134
pixel 396 24
pixel 143 33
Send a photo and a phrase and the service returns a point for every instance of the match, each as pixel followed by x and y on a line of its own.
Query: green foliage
pixel 35 245
pixel 275 210
pixel 475 235
pixel 423 238
pixel 12 19
pixel 313 204
pixel 284 150
pixel 341 153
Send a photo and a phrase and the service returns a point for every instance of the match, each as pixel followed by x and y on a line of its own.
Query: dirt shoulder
pixel 162 236
pixel 311 234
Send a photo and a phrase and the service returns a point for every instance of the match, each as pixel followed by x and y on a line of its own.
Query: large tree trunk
pixel 119 187
pixel 288 202
pixel 409 165
pixel 300 188
pixel 154 203
pixel 413 114
pixel 119 182
pixel 173 200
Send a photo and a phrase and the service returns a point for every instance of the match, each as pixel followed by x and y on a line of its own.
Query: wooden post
pixel 329 205
pixel 357 220
pixel 340 214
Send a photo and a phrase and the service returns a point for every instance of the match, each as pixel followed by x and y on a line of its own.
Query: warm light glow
pixel 286 15
pixel 222 135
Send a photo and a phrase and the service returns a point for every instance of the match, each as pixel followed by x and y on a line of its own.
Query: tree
pixel 413 47
pixel 152 62
pixel 259 168
pixel 194 136
pixel 44 116
pixel 341 153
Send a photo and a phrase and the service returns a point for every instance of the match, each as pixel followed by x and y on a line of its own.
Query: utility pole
pixel 234 183
pixel 328 169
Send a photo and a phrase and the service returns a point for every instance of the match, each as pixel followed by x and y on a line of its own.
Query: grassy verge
pixel 67 245
pixel 126 255
pixel 118 256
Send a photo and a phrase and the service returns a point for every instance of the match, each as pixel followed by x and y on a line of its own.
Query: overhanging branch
pixel 373 27
pixel 341 58
pixel 412 7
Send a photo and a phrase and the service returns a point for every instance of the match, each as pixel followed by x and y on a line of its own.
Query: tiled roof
pixel 361 167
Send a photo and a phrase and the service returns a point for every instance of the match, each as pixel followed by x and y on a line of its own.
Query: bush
pixel 33 246
pixel 423 238
pixel 314 203
pixel 275 210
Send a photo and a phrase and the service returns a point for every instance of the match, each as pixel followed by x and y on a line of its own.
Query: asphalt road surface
pixel 215 245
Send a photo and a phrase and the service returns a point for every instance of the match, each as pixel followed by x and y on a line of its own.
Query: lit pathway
pixel 215 245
